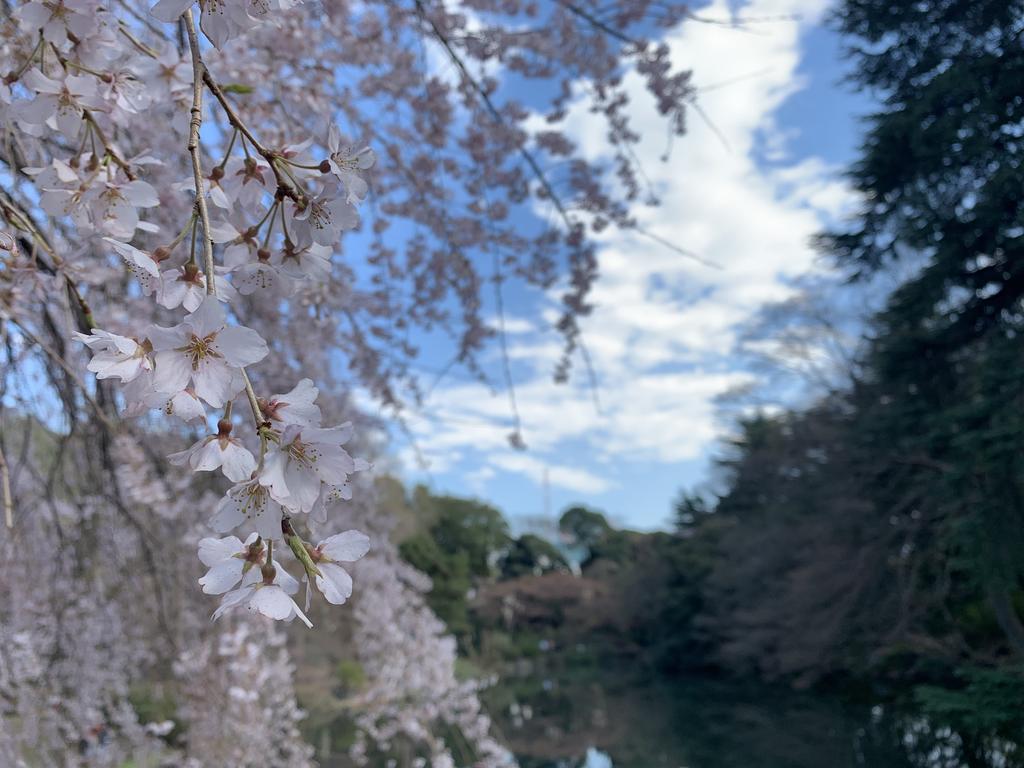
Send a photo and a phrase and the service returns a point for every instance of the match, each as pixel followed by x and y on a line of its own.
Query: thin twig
pixel 201 76
pixel 672 246
pixel 5 484
pixel 284 185
pixel 707 120
pixel 600 25
pixel 499 301
pixel 588 363
pixel 198 68
pixel 254 402
pixel 63 364
pixel 493 110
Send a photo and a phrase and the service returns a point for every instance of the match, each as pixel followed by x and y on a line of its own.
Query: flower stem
pixel 236 122
pixel 198 69
pixel 254 402
pixel 298 549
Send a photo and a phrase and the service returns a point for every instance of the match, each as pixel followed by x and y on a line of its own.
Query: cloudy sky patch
pixel 662 338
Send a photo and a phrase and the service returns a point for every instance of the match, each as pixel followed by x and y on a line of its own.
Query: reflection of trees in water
pixel 702 723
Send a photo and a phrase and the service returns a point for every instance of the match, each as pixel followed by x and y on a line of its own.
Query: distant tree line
pixel 877 533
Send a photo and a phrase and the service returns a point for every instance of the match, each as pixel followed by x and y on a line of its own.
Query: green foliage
pixel 589 529
pixel 942 169
pixel 941 163
pixel 530 554
pixel 450 574
pixel 471 528
pixel 583 526
pixel 670 629
pixel 689 510
pixel 237 88
pixel 461 542
pixel 989 701
pixel 153 704
pixel 350 674
pixel 157 704
pixel 882 530
pixel 614 547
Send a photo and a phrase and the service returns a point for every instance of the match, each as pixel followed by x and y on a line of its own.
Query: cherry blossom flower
pixel 271 600
pixel 305 456
pixel 250 264
pixel 321 219
pixel 310 262
pixel 116 357
pixel 346 161
pixel 184 404
pixel 330 497
pixel 247 181
pixel 59 103
pixel 300 153
pixel 62 189
pixel 231 561
pixel 166 74
pixel 144 266
pixel 140 396
pixel 296 407
pixel 334 582
pixel 220 450
pixel 333 495
pixel 259 275
pixel 56 19
pixel 205 351
pixel 267 590
pixel 248 501
pixel 228 560
pixel 129 94
pixel 221 20
pixel 114 206
pixel 212 184
pixel 185 286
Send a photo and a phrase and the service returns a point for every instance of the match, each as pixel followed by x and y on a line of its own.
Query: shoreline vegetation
pixel 674 616
pixel 868 539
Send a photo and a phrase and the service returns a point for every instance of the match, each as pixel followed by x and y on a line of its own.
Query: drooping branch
pixel 195 123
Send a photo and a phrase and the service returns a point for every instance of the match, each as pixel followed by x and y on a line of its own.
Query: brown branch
pixel 198 69
pixel 525 153
pixel 5 484
pixel 284 185
pixel 600 25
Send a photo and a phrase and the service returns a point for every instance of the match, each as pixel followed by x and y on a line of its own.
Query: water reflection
pixel 596 719
pixel 596 759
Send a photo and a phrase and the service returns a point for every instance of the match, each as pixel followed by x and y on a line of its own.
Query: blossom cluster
pixel 222 20
pixel 303 467
pixel 102 232
pixel 275 215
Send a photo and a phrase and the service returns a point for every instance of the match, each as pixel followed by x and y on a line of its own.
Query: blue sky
pixel 746 195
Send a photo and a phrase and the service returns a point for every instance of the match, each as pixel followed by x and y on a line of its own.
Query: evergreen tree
pixel 941 173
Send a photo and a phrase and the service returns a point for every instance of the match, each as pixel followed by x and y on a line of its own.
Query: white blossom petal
pixel 223 576
pixel 171 373
pixel 214 382
pixel 335 583
pixel 346 547
pixel 170 10
pixel 241 346
pixel 212 551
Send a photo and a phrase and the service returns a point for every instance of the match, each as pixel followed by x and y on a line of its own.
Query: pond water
pixel 602 720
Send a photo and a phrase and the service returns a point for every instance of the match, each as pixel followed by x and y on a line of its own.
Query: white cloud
pixel 664 325
pixel 570 478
